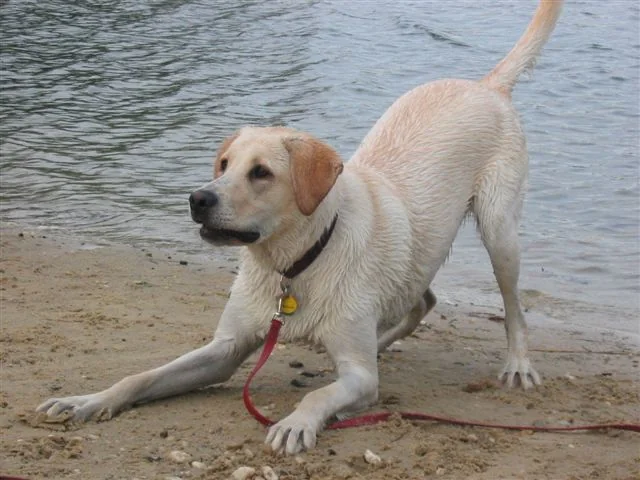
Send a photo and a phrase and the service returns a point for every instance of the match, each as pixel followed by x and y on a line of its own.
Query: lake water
pixel 111 112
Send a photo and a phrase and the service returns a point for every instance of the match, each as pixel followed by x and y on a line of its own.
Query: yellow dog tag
pixel 288 305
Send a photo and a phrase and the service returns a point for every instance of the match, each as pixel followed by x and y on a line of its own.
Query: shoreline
pixel 75 320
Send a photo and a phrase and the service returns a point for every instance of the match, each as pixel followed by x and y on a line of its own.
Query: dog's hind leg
pixel 497 207
pixel 409 323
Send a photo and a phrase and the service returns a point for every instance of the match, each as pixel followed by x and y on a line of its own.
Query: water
pixel 111 112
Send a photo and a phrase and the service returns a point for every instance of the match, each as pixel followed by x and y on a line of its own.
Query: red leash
pixel 372 419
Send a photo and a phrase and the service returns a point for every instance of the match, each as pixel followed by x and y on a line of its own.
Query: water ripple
pixel 112 110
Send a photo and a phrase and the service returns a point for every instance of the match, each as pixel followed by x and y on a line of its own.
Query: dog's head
pixel 263 176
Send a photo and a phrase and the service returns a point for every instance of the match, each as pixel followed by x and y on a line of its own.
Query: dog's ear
pixel 314 168
pixel 217 171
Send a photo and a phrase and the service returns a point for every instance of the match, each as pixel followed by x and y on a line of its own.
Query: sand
pixel 75 319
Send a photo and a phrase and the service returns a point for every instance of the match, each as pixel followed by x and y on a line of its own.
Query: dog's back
pixel 442 143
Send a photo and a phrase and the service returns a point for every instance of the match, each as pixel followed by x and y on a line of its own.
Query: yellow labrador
pixel 365 239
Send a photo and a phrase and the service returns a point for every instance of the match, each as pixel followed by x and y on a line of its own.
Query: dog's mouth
pixel 226 236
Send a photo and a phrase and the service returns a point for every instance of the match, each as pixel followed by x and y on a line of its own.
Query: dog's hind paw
pixel 292 435
pixel 518 371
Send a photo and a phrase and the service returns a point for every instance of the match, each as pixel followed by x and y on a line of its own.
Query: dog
pixel 355 246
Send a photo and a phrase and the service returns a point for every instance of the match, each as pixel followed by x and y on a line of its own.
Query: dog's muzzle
pixel 201 202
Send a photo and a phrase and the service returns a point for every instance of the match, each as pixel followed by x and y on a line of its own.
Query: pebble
pixel 472 437
pixel 198 465
pixel 269 474
pixel 178 456
pixel 440 471
pixel 248 453
pixel 372 458
pixel 184 262
pixel 296 364
pixel 243 473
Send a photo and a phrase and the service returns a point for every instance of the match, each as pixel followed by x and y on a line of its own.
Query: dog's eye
pixel 259 172
pixel 223 164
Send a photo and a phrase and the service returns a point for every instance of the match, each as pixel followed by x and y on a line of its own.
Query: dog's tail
pixel 523 55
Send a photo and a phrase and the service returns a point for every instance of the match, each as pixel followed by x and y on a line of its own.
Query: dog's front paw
pixel 77 409
pixel 293 434
pixel 518 371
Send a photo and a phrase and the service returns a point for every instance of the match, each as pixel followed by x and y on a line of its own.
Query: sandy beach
pixel 76 319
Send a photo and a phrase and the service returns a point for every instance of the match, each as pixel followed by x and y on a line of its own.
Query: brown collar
pixel 308 258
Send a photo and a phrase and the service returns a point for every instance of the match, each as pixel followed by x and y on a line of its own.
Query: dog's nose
pixel 200 202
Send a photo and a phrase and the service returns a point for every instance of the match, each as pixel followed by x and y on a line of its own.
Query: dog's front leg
pixel 208 365
pixel 354 354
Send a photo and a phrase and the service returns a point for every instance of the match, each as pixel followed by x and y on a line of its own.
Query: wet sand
pixel 76 320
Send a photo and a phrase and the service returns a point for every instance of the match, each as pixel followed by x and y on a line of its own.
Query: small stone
pixel 296 364
pixel 164 433
pixel 184 262
pixel 299 460
pixel 248 453
pixel 308 374
pixel 440 471
pixel 91 436
pixel 472 437
pixel 269 474
pixel 243 473
pixel 198 465
pixel 372 458
pixel 178 456
pixel 236 445
pixel 297 383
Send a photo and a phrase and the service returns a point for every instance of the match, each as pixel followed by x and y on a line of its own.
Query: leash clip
pixel 285 285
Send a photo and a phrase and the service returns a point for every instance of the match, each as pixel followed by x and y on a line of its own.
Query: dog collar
pixel 287 303
pixel 309 257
